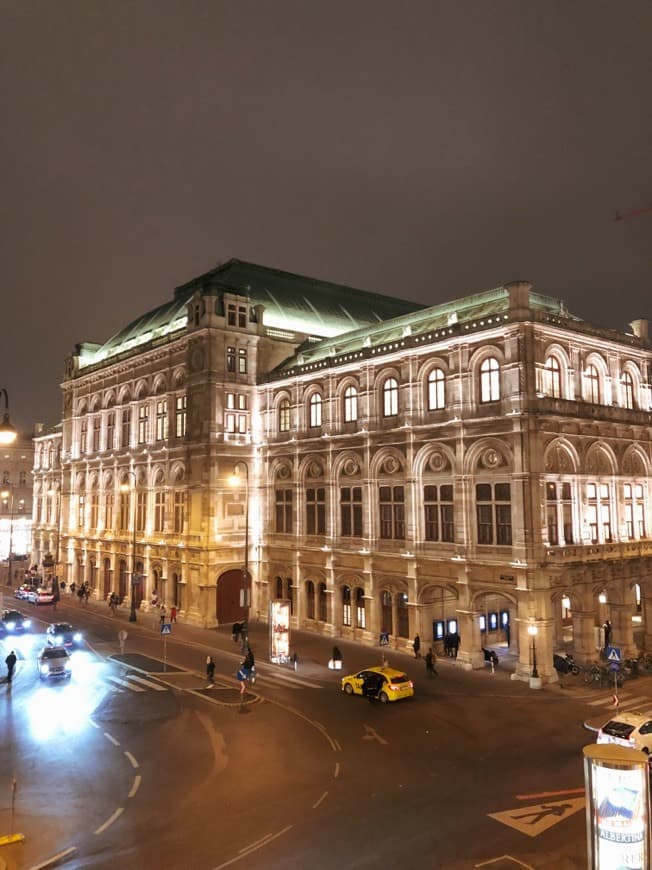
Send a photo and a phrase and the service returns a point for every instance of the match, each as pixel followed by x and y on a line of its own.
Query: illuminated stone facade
pixel 485 461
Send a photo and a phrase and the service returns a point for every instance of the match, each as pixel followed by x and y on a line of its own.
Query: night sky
pixel 424 150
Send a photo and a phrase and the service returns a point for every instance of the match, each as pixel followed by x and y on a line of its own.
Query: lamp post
pixel 7 431
pixel 8 494
pixel 535 680
pixel 245 594
pixel 125 488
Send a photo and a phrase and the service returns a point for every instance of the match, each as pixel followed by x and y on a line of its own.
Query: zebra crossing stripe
pixel 156 686
pixel 295 682
pixel 605 702
pixel 125 684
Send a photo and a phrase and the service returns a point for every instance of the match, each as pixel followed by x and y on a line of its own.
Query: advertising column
pixel 617 807
pixel 279 631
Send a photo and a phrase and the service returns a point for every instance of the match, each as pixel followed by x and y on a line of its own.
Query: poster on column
pixel 279 631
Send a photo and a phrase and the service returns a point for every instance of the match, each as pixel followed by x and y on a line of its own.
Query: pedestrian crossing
pixel 131 682
pixel 135 683
pixel 627 702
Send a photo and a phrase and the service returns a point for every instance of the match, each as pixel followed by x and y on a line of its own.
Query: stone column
pixel 470 655
pixel 584 649
pixel 646 604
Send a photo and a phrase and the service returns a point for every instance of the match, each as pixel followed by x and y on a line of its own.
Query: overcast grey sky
pixel 424 150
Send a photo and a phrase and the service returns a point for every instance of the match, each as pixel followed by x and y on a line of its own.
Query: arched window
pixel 360 612
pixel 592 382
pixel 346 605
pixel 390 397
pixel 284 415
pixel 315 410
pixel 627 390
pixel 552 378
pixel 387 619
pixel 403 627
pixel 489 380
pixel 323 603
pixel 436 390
pixel 310 599
pixel 350 404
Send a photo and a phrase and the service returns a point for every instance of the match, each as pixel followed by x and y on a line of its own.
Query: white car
pixel 54 661
pixel 628 729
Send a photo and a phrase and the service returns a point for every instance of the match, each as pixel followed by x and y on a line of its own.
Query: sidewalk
pixel 313 650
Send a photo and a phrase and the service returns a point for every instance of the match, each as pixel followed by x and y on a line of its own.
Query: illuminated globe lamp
pixel 7 431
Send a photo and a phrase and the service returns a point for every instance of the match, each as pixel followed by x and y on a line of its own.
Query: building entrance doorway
pixel 227 600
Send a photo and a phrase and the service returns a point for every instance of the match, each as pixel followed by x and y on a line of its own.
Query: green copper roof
pixel 291 302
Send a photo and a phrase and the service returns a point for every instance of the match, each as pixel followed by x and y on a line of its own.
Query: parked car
pixel 628 729
pixel 62 634
pixel 41 596
pixel 23 590
pixel 54 662
pixel 13 622
pixel 394 684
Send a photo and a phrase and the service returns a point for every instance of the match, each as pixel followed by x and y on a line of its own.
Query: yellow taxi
pixel 394 684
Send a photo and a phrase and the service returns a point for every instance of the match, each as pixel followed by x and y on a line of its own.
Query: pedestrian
pixel 62 586
pixel 81 593
pixel 72 588
pixel 417 646
pixel 154 598
pixel 113 601
pixel 607 633
pixel 430 660
pixel 162 616
pixel 455 644
pixel 235 631
pixel 87 593
pixel 210 671
pixel 10 661
pixel 507 634
pixel 173 613
pixel 371 686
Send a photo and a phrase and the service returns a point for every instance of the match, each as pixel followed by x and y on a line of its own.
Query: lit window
pixel 284 415
pixel 489 380
pixel 436 390
pixel 350 405
pixel 390 397
pixel 592 385
pixel 315 410
pixel 180 416
pixel 494 513
pixel 627 390
pixel 552 378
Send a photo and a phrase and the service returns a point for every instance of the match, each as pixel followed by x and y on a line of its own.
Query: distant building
pixel 479 467
pixel 16 462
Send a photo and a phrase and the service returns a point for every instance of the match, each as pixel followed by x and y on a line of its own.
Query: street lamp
pixel 245 594
pixel 124 487
pixel 532 630
pixel 9 494
pixel 7 431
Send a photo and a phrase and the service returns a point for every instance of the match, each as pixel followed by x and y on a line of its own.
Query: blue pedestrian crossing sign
pixel 166 628
pixel 613 654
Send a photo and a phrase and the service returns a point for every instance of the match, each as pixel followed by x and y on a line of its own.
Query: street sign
pixel 166 628
pixel 613 654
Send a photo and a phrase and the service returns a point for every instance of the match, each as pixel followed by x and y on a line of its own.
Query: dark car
pixel 12 622
pixel 62 634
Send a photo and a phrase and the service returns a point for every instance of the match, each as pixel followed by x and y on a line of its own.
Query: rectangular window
pixel 97 424
pixel 494 513
pixel 351 511
pixel 599 513
pixel 22 478
pixel 95 509
pixel 124 511
pixel 438 513
pixel 83 436
pixel 392 512
pixel 180 416
pixel 229 422
pixel 110 430
pixel 161 420
pixel 242 316
pixel 159 511
pixel 108 511
pixel 126 427
pixel 81 507
pixel 634 510
pixel 230 401
pixel 284 511
pixel 242 361
pixel 143 414
pixel 230 359
pixel 316 511
pixel 179 511
pixel 141 511
pixel 230 314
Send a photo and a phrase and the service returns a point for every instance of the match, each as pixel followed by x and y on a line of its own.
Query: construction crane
pixel 623 216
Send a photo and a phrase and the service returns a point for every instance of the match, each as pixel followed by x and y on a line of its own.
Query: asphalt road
pixel 113 772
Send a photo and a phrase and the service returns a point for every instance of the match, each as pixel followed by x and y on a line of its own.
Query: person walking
pixel 430 660
pixel 10 661
pixel 210 672
pixel 417 647
pixel 173 613
pixel 162 615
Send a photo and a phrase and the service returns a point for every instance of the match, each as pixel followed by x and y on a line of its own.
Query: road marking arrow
pixel 373 735
pixel 536 819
